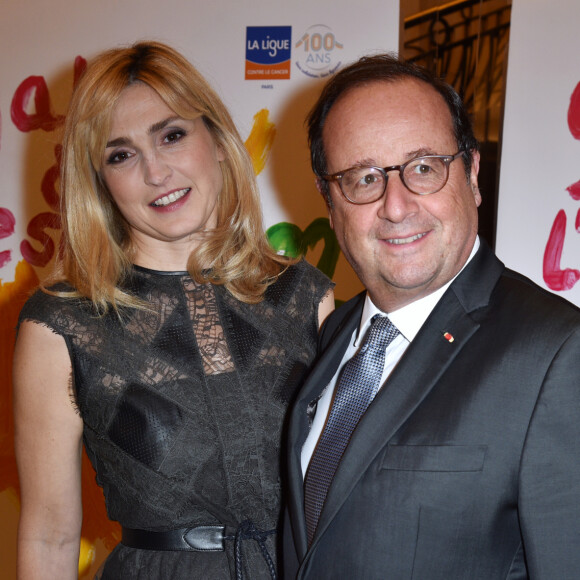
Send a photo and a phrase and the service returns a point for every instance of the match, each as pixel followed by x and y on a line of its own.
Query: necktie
pixel 357 387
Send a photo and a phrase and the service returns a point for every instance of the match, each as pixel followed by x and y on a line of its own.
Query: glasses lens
pixel 363 184
pixel 425 174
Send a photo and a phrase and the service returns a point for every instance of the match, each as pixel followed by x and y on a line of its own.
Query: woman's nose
pixel 156 169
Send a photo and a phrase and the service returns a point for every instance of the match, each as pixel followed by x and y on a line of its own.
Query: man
pixel 466 464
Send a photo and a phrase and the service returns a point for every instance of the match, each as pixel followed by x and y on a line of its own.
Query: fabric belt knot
pixel 358 384
pixel 248 531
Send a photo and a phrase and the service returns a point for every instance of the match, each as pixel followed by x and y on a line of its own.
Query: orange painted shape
pixel 13 295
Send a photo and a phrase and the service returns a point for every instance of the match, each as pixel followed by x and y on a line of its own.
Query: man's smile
pixel 410 239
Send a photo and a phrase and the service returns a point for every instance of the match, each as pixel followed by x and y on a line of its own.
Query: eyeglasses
pixel 422 175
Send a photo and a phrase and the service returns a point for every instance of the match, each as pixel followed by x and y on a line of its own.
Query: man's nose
pixel 397 202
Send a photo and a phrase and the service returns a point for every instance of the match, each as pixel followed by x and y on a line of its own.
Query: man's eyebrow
pixel 366 162
pixel 409 156
pixel 421 152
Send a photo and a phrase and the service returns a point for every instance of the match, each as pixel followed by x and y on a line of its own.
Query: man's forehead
pixel 397 109
pixel 400 87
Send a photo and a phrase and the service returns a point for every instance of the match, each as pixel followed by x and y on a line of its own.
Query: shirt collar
pixel 411 317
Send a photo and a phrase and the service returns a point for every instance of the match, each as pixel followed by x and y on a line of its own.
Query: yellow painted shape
pixel 86 556
pixel 259 142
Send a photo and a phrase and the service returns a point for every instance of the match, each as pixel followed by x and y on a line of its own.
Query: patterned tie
pixel 357 387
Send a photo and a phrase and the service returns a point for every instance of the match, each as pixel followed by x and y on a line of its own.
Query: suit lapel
pixel 299 427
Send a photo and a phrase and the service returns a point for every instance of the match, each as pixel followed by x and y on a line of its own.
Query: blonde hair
pixel 96 245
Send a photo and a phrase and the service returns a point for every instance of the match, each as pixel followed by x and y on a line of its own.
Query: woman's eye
pixel 118 157
pixel 174 136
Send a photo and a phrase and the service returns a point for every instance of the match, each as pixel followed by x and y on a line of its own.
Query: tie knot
pixel 381 333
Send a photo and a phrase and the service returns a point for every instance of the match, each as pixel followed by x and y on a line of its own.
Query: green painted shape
pixel 288 239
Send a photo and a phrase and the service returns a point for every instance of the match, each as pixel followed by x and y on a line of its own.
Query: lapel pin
pixel 448 336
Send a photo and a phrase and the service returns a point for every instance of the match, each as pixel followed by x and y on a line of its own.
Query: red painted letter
pixel 555 278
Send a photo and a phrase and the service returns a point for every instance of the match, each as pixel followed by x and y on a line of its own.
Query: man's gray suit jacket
pixel 466 466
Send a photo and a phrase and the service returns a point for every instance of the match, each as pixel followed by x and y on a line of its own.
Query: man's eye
pixel 369 179
pixel 422 168
pixel 363 177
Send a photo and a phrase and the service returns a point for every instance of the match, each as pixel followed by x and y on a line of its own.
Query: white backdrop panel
pixel 540 156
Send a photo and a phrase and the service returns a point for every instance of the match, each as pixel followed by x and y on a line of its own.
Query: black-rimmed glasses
pixel 422 175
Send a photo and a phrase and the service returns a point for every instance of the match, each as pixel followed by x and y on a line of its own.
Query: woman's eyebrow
pixel 155 128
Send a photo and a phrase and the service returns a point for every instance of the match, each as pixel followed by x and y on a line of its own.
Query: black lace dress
pixel 183 408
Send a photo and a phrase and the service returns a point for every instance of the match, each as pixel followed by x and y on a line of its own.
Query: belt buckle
pixel 205 538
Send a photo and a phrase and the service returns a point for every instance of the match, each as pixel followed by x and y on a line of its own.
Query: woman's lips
pixel 172 197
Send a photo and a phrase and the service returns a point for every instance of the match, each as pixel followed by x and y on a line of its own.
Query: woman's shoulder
pixel 53 305
pixel 302 269
pixel 314 277
pixel 312 272
pixel 301 277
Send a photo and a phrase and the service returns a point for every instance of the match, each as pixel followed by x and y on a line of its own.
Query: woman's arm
pixel 48 444
pixel 325 307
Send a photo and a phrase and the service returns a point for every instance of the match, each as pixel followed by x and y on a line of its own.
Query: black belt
pixel 197 539
pixel 201 539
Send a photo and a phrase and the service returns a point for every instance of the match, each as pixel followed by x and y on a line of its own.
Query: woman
pixel 171 342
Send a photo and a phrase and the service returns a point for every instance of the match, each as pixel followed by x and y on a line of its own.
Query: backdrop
pixel 266 58
pixel 539 196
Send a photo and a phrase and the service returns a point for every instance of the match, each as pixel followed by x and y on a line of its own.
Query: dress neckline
pixel 160 272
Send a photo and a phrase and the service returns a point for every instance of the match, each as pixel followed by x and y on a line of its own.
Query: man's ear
pixel 473 181
pixel 329 210
pixel 324 190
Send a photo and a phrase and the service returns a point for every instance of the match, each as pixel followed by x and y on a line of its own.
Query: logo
pixel 268 51
pixel 318 52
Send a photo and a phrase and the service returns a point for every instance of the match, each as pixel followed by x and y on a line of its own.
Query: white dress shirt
pixel 408 320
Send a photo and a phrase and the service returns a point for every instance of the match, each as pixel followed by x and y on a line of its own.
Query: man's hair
pixel 383 68
pixel 96 247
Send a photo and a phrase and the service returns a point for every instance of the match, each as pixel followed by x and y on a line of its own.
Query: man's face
pixel 403 246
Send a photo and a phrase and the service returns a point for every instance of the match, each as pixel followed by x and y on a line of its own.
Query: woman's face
pixel 163 172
